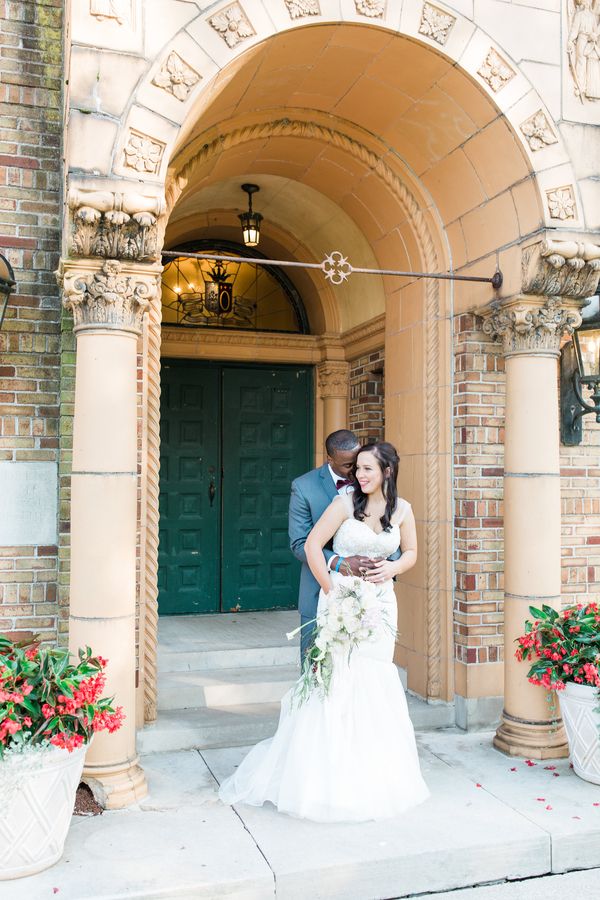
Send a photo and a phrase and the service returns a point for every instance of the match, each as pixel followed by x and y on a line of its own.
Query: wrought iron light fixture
pixel 580 372
pixel 250 220
pixel 7 283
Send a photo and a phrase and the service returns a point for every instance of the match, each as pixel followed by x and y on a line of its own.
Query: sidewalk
pixel 489 818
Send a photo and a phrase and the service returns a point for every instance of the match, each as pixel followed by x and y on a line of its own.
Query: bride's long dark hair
pixel 387 457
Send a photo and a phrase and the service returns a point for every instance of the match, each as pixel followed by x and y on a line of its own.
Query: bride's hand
pixel 382 570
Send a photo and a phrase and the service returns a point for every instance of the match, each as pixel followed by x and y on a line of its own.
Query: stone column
pixel 108 300
pixel 557 277
pixel 334 379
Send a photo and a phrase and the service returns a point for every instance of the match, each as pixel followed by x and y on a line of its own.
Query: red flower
pixel 109 721
pixel 67 742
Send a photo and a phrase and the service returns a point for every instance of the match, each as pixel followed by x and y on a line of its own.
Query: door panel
pixel 266 443
pixel 189 526
pixel 250 426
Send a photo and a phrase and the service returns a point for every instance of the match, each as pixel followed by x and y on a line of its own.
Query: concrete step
pixel 244 724
pixel 190 660
pixel 231 726
pixel 225 687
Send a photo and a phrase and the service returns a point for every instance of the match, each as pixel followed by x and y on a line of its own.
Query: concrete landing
pixel 489 819
pixel 221 677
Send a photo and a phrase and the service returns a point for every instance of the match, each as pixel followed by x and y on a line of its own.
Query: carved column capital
pixel 531 326
pixel 334 379
pixel 567 269
pixel 110 224
pixel 111 296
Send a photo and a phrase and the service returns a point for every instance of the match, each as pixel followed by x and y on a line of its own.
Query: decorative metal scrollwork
pixel 336 267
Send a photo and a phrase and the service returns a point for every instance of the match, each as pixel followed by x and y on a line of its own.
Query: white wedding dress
pixel 350 756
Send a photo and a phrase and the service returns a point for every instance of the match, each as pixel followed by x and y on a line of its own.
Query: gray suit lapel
pixel 327 481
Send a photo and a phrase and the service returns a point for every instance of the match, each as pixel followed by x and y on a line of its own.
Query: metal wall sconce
pixel 580 373
pixel 250 220
pixel 7 283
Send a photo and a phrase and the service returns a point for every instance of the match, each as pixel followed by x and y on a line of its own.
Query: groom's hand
pixel 358 565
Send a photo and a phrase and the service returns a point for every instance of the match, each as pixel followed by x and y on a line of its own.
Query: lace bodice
pixel 355 538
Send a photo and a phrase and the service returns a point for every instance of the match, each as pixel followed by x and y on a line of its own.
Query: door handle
pixel 211 491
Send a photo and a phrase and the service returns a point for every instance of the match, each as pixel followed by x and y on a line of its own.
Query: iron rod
pixel 495 280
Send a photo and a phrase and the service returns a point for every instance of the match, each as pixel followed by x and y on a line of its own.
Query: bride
pixel 350 755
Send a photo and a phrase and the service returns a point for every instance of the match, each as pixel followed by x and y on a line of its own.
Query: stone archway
pixel 117 211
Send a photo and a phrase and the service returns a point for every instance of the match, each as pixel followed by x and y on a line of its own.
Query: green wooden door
pixel 266 443
pixel 233 438
pixel 190 524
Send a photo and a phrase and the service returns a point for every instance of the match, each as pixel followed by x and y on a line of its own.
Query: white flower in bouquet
pixel 352 615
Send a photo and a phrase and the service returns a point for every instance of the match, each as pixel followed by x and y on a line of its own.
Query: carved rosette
pixel 299 9
pixel 108 298
pixel 334 379
pixel 176 77
pixel 372 9
pixel 529 327
pixel 436 23
pixel 538 132
pixel 232 24
pixel 495 71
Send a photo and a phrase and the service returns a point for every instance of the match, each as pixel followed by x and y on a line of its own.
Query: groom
pixel 311 495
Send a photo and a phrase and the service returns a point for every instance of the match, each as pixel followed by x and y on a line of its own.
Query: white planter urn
pixel 582 724
pixel 37 795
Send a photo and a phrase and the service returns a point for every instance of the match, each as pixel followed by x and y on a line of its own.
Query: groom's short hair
pixel 341 440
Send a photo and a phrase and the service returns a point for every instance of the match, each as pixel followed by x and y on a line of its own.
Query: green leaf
pixel 31 706
pixel 537 613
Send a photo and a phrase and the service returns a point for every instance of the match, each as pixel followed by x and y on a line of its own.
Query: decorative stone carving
pixel 495 71
pixel 561 203
pixel 538 132
pixel 583 48
pixel 108 224
pixel 232 25
pixel 143 153
pixel 120 10
pixel 372 9
pixel 176 77
pixel 298 9
pixel 528 326
pixel 109 297
pixel 333 378
pixel 151 510
pixel 561 269
pixel 435 23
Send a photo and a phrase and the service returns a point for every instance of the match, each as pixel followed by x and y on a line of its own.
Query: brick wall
pixel 478 512
pixel 30 164
pixel 580 497
pixel 479 467
pixel 366 412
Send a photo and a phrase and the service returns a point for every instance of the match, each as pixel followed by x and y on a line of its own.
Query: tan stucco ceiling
pixel 313 226
pixel 411 106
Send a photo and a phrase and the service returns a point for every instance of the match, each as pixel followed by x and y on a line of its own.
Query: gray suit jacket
pixel 311 495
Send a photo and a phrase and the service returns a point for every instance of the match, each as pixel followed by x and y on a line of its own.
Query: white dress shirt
pixel 344 489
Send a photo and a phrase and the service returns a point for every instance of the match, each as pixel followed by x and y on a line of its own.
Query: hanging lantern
pixel 250 220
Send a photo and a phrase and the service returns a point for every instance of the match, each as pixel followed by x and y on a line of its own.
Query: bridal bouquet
pixel 353 615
